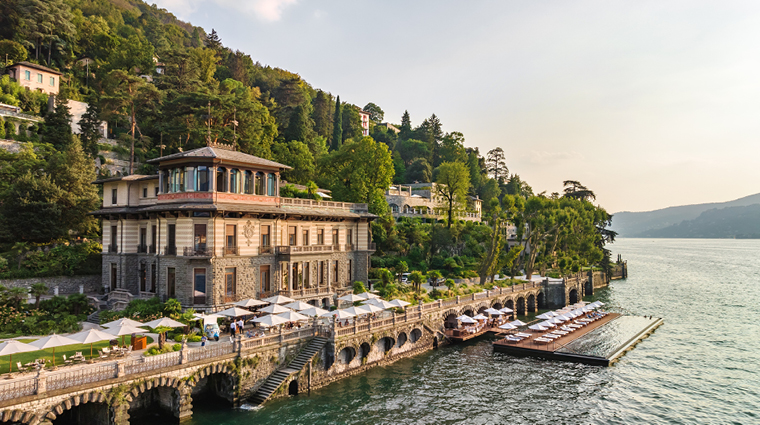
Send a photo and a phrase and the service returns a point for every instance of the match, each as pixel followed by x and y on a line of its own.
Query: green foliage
pixel 453 183
pixel 30 101
pixel 57 128
pixel 359 287
pixel 297 155
pixel 14 52
pixel 62 260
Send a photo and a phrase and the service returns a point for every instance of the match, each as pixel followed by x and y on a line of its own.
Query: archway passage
pixel 497 306
pixel 416 335
pixel 346 355
pixel 401 339
pixel 450 322
pixel 293 387
pixel 541 300
pixel 156 405
pixel 86 413
pixel 364 350
pixel 468 312
pixel 573 296
pixel 482 310
pixel 217 388
pixel 325 303
pixel 385 344
pixel 531 303
pixel 520 306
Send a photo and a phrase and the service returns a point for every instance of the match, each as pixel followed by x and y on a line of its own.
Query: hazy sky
pixel 648 103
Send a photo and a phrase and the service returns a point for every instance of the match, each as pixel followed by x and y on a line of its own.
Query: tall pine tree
pixel 89 128
pixel 57 128
pixel 406 127
pixel 337 136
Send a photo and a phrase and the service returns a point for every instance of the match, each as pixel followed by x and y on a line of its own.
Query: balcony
pixel 349 247
pixel 287 250
pixel 269 249
pixel 198 251
pixel 231 250
pixel 142 249
pixel 152 249
pixel 112 249
pixel 170 250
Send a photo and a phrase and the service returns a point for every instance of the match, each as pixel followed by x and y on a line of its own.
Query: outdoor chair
pixel 102 355
pixel 66 361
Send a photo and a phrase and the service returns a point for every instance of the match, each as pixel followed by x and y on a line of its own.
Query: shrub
pixel 177 347
pixel 194 338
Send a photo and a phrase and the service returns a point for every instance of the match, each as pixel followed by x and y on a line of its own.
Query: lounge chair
pixel 66 361
pixel 102 355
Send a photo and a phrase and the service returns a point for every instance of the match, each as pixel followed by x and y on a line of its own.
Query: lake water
pixel 701 366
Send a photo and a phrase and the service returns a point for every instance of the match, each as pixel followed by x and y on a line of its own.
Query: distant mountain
pixel 731 222
pixel 637 224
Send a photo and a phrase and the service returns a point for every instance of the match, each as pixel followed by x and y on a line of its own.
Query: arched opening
pixel 202 178
pixel 385 344
pixel 589 288
pixel 248 183
pixel 468 312
pixel 415 335
pixel 325 303
pixel 293 387
pixel 520 306
pixel 401 339
pixel 450 322
pixel 315 303
pixel 213 390
pixel 85 413
pixel 541 301
pixel 497 305
pixel 259 184
pixel 156 405
pixel 221 179
pixel 271 186
pixel 482 310
pixel 346 355
pixel 573 296
pixel 235 180
pixel 531 303
pixel 364 350
pixel 510 304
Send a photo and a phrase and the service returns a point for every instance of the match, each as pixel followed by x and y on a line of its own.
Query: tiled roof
pixel 230 155
pixel 35 66
pixel 133 177
pixel 266 209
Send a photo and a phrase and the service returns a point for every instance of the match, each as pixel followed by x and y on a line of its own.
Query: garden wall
pixel 66 284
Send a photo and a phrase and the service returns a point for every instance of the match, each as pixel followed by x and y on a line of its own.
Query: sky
pixel 649 104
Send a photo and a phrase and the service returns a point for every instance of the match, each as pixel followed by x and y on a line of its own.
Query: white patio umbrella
pixel 313 311
pixel 399 303
pixel 11 347
pixel 235 312
pixel 372 308
pixel 537 327
pixel 338 314
pixel 357 311
pixel 352 298
pixel 466 319
pixel 207 318
pixel 124 329
pixel 52 341
pixel 599 303
pixel 547 324
pixel 493 311
pixel 368 295
pixel 278 299
pixel 506 310
pixel 508 326
pixel 556 321
pixel 91 336
pixel 380 303
pixel 298 305
pixel 292 316
pixel 274 309
pixel 122 321
pixel 165 322
pixel 545 316
pixel 480 317
pixel 270 320
pixel 518 323
pixel 250 302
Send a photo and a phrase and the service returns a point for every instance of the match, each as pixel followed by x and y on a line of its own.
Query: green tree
pixel 434 275
pixel 15 296
pixel 453 182
pixel 337 133
pixel 29 211
pixel 38 290
pixel 213 41
pixel 297 155
pixel 575 190
pixel 205 61
pixel 496 164
pixel 57 128
pixel 352 122
pixel 452 148
pixel 417 278
pixel 376 113
pixel 89 128
pixel 14 52
pixel 405 132
pixel 321 114
pixel 400 269
pixel 420 171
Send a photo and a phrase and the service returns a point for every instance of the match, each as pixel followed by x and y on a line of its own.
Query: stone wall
pixel 66 284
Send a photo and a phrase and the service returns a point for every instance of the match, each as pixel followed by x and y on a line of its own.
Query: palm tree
pixel 416 277
pixel 38 290
pixel 434 275
pixel 15 296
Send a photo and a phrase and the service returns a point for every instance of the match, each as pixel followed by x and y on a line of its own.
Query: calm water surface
pixel 701 366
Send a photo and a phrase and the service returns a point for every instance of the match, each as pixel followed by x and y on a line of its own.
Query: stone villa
pixel 420 200
pixel 211 229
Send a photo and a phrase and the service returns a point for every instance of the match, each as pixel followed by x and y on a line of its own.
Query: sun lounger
pixel 560 332
pixel 523 334
pixel 543 340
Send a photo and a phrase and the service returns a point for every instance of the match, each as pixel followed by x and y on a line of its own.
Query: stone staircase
pixel 278 377
pixel 94 318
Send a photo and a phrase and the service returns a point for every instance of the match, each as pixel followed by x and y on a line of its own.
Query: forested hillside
pixel 732 222
pixel 164 85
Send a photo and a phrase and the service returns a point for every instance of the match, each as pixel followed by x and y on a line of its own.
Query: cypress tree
pixel 337 136
pixel 57 128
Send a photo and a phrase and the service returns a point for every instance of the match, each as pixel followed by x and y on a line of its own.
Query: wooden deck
pixel 551 347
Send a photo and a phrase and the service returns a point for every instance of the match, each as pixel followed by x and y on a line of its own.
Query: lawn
pixel 47 354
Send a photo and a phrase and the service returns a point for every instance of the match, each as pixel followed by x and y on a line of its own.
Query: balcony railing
pixel 170 250
pixel 289 249
pixel 324 204
pixel 231 250
pixel 266 250
pixel 113 249
pixel 336 248
pixel 152 249
pixel 349 247
pixel 371 246
pixel 142 249
pixel 200 251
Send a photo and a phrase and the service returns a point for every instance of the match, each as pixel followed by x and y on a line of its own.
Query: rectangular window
pixel 321 273
pixel 114 196
pixel 145 192
pixel 153 239
pixel 114 276
pixel 171 239
pixel 229 282
pixel 27 75
pixel 114 239
pixel 39 78
pixel 296 277
pixel 143 278
pixel 266 284
pixel 52 81
pixel 320 236
pixel 306 277
pixel 153 278
pixel 230 239
pixel 199 284
pixel 350 275
pixel 170 282
pixel 305 238
pixel 155 191
pixel 143 239
pixel 292 235
pixel 265 239
pixel 199 240
pixel 349 236
pixel 335 236
pixel 335 271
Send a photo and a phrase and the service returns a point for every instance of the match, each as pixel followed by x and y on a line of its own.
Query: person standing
pixel 233 325
pixel 240 326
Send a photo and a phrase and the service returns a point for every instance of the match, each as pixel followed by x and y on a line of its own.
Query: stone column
pixel 41 382
pixel 120 413
pixel 184 354
pixel 55 290
pixel 184 403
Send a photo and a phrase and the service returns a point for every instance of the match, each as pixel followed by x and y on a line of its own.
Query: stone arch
pixel 170 395
pixel 401 339
pixel 346 355
pixel 497 305
pixel 364 350
pixel 520 306
pixel 325 303
pixel 450 320
pixel 573 296
pixel 385 344
pixel 217 379
pixel 293 387
pixel 17 416
pixel 482 309
pixel 509 303
pixel 415 335
pixel 63 412
pixel 468 311
pixel 541 300
pixel 531 303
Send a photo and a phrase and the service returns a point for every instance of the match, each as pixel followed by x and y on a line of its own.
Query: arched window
pixel 173 177
pixel 165 181
pixel 180 180
pixel 394 208
pixel 259 184
pixel 248 183
pixel 221 179
pixel 190 182
pixel 202 179
pixel 235 180
pixel 271 185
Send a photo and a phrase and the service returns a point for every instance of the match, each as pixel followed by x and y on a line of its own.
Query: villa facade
pixel 419 200
pixel 211 229
pixel 35 77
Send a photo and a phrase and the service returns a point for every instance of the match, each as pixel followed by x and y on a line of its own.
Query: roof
pixel 35 66
pixel 133 177
pixel 266 209
pixel 214 152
